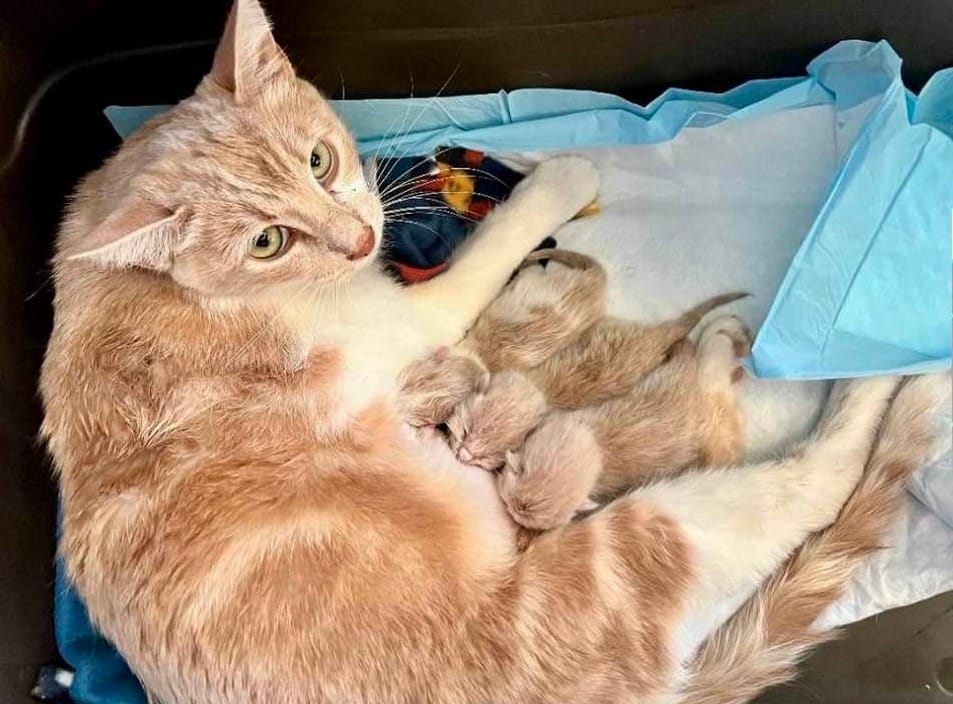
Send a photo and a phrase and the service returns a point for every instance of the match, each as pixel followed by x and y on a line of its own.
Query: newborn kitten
pixel 540 491
pixel 605 361
pixel 489 423
pixel 551 322
pixel 681 414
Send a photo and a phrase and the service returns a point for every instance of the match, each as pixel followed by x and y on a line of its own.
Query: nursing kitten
pixel 246 512
pixel 551 323
pixel 681 414
pixel 489 422
pixel 640 392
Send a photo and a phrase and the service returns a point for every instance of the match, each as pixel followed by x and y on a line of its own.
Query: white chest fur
pixel 374 325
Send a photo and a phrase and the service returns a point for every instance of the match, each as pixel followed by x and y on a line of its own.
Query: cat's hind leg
pixel 742 523
pixel 762 643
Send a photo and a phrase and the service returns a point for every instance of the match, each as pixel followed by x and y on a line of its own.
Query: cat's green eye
pixel 322 162
pixel 270 242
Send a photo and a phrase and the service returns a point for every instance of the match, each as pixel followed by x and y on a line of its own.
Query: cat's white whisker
pixel 428 104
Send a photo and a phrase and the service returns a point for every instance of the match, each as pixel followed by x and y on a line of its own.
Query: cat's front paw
pixel 562 185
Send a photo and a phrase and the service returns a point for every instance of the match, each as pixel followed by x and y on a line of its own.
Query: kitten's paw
pixel 732 327
pixel 724 342
pixel 564 185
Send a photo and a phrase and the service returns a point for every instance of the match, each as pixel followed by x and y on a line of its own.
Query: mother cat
pixel 244 511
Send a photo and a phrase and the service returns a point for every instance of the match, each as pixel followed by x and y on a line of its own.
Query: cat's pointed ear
pixel 139 233
pixel 247 55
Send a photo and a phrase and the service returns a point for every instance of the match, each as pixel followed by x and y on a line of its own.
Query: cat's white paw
pixel 931 392
pixel 564 185
pixel 872 391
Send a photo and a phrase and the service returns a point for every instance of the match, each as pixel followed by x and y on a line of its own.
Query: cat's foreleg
pixel 556 191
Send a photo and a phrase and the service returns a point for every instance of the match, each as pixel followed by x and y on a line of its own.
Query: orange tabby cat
pixel 247 515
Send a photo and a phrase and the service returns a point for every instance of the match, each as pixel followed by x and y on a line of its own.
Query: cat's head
pixel 251 184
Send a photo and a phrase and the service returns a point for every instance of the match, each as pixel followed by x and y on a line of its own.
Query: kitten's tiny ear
pixel 512 462
pixel 139 233
pixel 247 55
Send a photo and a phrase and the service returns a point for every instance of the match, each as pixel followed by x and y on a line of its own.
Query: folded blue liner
pixel 868 292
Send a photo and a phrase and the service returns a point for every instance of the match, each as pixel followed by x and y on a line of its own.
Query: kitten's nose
pixel 464 455
pixel 364 245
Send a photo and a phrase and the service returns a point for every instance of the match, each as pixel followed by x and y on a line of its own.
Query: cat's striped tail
pixel 761 645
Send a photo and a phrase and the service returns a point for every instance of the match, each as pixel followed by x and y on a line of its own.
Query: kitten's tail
pixel 567 257
pixel 690 318
pixel 761 645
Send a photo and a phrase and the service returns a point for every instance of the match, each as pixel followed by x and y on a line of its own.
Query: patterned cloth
pixel 434 203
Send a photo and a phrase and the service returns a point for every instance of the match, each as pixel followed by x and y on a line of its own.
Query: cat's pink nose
pixel 464 454
pixel 364 245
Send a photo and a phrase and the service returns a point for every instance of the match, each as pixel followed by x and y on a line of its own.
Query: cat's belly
pixel 474 490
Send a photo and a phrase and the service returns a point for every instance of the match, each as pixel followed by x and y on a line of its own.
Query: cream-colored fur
pixel 640 393
pixel 680 415
pixel 487 424
pixel 761 645
pixel 246 511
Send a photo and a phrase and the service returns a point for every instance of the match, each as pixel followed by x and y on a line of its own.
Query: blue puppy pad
pixel 870 291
